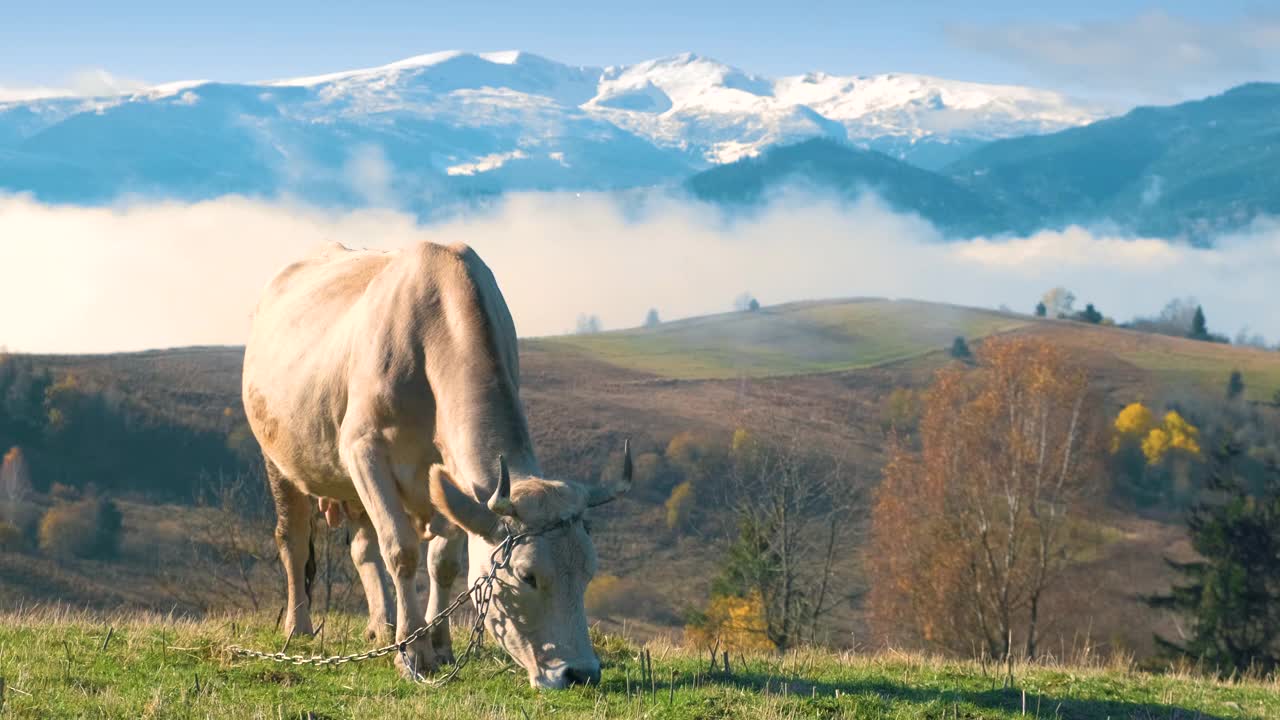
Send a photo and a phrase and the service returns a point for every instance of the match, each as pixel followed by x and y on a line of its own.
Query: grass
pixel 1209 367
pixel 792 339
pixel 54 665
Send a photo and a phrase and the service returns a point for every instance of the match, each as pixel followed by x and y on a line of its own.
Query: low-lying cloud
pixel 76 279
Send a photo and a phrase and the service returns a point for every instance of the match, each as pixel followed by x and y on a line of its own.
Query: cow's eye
pixel 529 579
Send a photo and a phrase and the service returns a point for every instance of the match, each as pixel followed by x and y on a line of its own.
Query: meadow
pixel 70 664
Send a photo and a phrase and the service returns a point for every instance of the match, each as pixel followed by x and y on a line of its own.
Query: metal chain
pixel 480 593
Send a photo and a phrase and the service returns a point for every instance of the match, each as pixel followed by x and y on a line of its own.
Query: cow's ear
pixel 461 509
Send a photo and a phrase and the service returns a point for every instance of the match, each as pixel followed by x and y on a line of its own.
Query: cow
pixel 389 382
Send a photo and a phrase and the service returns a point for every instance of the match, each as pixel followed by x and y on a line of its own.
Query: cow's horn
pixel 501 503
pixel 603 494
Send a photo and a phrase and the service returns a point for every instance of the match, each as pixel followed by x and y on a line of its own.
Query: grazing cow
pixel 390 382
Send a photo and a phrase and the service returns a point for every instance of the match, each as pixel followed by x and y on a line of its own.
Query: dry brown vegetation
pixel 581 405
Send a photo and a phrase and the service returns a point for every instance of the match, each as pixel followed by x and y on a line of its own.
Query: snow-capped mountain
pixel 454 123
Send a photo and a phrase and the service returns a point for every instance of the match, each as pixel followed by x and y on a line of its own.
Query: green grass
pixel 790 339
pixel 55 667
pixel 1210 366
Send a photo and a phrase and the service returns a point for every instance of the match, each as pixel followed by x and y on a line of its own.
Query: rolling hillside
pixel 821 370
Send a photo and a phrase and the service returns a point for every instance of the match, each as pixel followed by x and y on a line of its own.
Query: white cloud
pixel 88 82
pixel 368 174
pixel 103 279
pixel 1153 57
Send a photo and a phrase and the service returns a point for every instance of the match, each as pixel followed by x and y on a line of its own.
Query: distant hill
pixel 1192 170
pixel 833 167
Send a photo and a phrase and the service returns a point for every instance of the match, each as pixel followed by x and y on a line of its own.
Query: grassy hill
pixel 73 665
pixel 821 370
pixel 846 335
pixel 791 339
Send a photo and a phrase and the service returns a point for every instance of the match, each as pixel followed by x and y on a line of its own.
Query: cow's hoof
pixel 445 655
pixel 380 633
pixel 298 628
pixel 417 661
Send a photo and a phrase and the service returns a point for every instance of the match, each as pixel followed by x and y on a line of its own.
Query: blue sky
pixel 1113 49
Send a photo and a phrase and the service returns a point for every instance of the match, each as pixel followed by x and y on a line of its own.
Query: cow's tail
pixel 309 570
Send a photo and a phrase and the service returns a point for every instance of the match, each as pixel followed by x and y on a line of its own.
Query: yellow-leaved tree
pixel 736 623
pixel 1152 459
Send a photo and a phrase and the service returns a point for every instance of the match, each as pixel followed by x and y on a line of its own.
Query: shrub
pixel 680 506
pixel 737 623
pixel 87 528
pixel 65 493
pixel 11 538
pixel 610 595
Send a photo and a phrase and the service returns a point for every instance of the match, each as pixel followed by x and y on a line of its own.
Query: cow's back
pixel 344 319
pixel 294 383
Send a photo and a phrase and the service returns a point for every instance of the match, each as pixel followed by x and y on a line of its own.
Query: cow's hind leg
pixel 293 539
pixel 364 553
pixel 444 563
pixel 366 459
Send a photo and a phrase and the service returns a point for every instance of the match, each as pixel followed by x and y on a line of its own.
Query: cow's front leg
pixel 365 457
pixel 364 553
pixel 444 563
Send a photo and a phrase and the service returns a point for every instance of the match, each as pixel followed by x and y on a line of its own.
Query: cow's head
pixel 537 612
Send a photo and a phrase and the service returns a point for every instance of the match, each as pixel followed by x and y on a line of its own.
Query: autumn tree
pixel 15 485
pixel 1153 460
pixel 971 531
pixel 1060 302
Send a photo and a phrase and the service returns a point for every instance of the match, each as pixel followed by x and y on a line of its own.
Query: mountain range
pixel 1191 171
pixel 458 124
pixel 432 131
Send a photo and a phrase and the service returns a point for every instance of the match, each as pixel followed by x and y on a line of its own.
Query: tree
pixel 680 506
pixel 746 302
pixel 91 527
pixel 1235 385
pixel 1060 302
pixel 791 511
pixel 15 485
pixel 960 349
pixel 1231 594
pixel 1041 310
pixel 1090 314
pixel 970 532
pixel 651 318
pixel 588 324
pixel 1199 328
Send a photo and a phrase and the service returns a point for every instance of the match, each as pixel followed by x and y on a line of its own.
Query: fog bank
pixel 142 276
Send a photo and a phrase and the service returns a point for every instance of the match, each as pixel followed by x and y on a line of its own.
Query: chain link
pixel 480 593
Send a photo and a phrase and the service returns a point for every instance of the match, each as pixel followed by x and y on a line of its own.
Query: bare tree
pixel 1059 301
pixel 793 516
pixel 588 324
pixel 230 538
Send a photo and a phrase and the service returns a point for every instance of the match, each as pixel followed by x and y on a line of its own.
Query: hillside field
pixel 818 370
pixel 73 665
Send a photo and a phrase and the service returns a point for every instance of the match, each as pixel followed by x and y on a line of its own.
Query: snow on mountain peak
pixel 538 122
